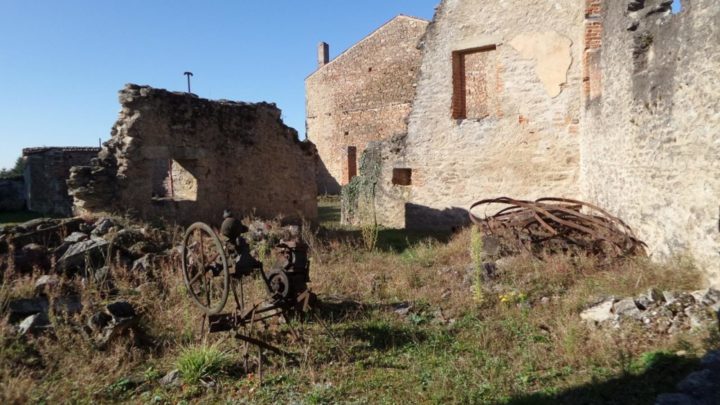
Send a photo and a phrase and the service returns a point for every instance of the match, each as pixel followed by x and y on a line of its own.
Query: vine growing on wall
pixel 358 196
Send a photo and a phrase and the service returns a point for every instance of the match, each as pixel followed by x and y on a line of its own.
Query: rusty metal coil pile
pixel 555 225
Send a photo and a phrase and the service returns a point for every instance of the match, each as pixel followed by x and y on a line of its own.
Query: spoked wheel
pixel 205 268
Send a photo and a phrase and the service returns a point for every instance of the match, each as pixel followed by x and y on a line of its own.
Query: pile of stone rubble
pixel 75 245
pixel 662 312
pixel 60 250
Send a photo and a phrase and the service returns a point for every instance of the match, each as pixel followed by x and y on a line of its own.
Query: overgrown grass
pixel 398 324
pixel 203 361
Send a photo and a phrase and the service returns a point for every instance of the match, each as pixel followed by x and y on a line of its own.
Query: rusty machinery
pixel 216 266
pixel 553 225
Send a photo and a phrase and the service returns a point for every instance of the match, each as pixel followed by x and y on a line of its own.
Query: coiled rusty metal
pixel 557 225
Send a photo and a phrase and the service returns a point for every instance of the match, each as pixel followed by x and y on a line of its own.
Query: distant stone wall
pixel 184 159
pixel 47 170
pixel 651 150
pixel 12 194
pixel 497 112
pixel 363 95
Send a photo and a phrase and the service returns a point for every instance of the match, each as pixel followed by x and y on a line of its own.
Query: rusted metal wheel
pixel 279 284
pixel 205 268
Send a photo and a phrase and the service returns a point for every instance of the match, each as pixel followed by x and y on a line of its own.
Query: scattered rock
pixel 600 313
pixel 627 308
pixel 668 296
pixel 45 284
pixel 118 318
pixel 22 308
pixel 75 257
pixel 120 309
pixel 102 226
pixel 402 309
pixel 99 321
pixel 34 324
pixel 664 313
pixel 76 237
pixel 67 306
pixel 33 224
pixel 143 264
pixel 171 379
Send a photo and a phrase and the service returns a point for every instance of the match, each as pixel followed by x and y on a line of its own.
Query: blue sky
pixel 63 62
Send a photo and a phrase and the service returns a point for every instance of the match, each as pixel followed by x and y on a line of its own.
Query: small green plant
pixel 199 362
pixel 370 229
pixel 476 252
pixel 152 374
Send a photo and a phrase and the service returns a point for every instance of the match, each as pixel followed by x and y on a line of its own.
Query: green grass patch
pixel 199 362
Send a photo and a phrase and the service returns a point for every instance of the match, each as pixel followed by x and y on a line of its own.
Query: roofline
pixel 366 37
pixel 42 149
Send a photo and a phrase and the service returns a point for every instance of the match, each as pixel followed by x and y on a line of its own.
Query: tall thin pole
pixel 188 74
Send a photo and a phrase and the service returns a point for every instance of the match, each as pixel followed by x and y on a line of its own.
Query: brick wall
pixel 592 77
pixel 47 170
pixel 184 159
pixel 363 95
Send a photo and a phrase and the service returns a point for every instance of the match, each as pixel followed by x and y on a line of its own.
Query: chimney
pixel 323 54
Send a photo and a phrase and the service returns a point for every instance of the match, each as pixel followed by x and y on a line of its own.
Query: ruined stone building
pixel 363 95
pixel 613 102
pixel 185 159
pixel 46 172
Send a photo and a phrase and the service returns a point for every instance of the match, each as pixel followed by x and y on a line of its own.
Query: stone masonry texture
pixel 47 170
pixel 186 159
pixel 613 102
pixel 363 95
pixel 518 67
pixel 651 137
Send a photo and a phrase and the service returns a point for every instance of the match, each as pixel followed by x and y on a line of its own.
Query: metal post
pixel 188 74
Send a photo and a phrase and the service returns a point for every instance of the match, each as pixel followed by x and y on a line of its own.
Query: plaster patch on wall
pixel 551 52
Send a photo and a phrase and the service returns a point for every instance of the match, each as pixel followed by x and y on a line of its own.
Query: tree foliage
pixel 15 171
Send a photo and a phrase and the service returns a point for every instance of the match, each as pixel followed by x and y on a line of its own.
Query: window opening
pixel 172 181
pixel 402 177
pixel 475 82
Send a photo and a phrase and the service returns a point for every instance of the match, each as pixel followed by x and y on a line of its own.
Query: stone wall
pixel 497 111
pixel 185 159
pixel 47 170
pixel 363 95
pixel 12 194
pixel 651 150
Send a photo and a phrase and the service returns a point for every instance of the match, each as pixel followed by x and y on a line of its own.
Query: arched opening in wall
pixel 171 180
pixel 676 6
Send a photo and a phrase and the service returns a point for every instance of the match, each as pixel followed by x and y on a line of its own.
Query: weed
pixel 195 363
pixel 476 252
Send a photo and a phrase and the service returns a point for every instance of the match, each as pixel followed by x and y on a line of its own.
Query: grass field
pixel 411 321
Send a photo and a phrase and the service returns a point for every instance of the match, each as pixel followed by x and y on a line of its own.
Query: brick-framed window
pixel 475 82
pixel 402 177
